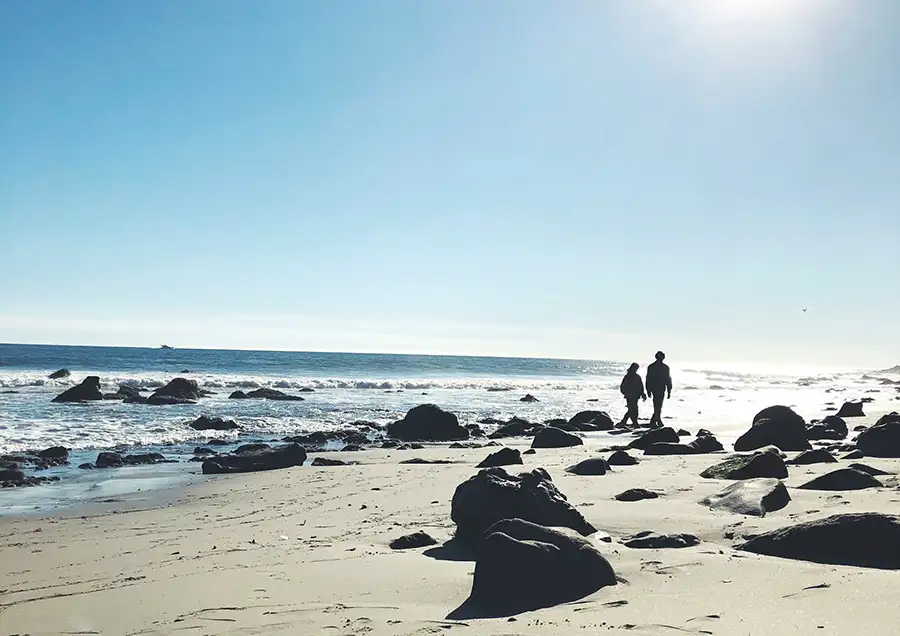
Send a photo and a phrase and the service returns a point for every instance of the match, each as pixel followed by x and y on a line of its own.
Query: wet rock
pixel 665 434
pixel 200 450
pixel 815 456
pixel 88 390
pixel 139 459
pixel 493 495
pixel 253 447
pixel 206 423
pixel 843 479
pixel 882 439
pixel 474 430
pixel 217 442
pixel 177 391
pixel 551 437
pixel 831 427
pixel 851 409
pixel 325 461
pixel 54 456
pixel 59 375
pixel 655 541
pixel 523 566
pixel 415 540
pixel 592 421
pixel 621 458
pixel 273 394
pixel 86 466
pixel 753 497
pixel 428 423
pixel 636 494
pixel 503 457
pixel 863 540
pixel 776 426
pixel 109 460
pixel 516 427
pixel 238 395
pixel 529 398
pixel 350 448
pixel 257 460
pixel 594 466
pixel 760 464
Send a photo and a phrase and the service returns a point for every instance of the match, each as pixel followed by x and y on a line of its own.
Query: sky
pixel 590 179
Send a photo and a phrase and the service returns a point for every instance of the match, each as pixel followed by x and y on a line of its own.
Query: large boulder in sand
pixel 621 458
pixel 255 460
pixel 516 427
pixel 762 464
pixel 88 390
pixel 775 426
pixel 815 456
pixel 593 466
pixel 206 423
pixel 591 421
pixel 831 427
pixel 656 541
pixel 552 437
pixel 882 439
pixel 493 495
pixel 177 391
pixel 665 434
pixel 866 540
pixel 843 479
pixel 503 457
pixel 753 497
pixel 428 423
pixel 851 409
pixel 522 566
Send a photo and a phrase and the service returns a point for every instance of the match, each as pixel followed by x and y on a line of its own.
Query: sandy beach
pixel 305 551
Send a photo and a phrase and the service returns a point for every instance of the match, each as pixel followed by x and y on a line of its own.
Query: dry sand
pixel 304 551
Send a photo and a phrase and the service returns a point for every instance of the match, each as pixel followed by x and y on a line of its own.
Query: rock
pixel 656 541
pixel 217 442
pixel 390 443
pixel 88 390
pixel 843 479
pixel 530 451
pixel 251 461
pixel 428 423
pixel 665 434
pixel 636 494
pixel 815 456
pixel 523 566
pixel 238 395
pixel 420 460
pixel 529 398
pixel 760 464
pixel 866 540
pixel 776 426
pixel 705 444
pixel 200 450
pixel 474 430
pixel 595 421
pixel 59 375
pixel 669 448
pixel 351 448
pixel 753 497
pixel 882 439
pixel 128 391
pixel 594 466
pixel 86 466
pixel 136 399
pixel 54 456
pixel 324 461
pixel 703 433
pixel 857 454
pixel 144 458
pixel 516 427
pixel 503 457
pixel 551 437
pixel 851 409
pixel 272 394
pixel 162 400
pixel 251 448
pixel 493 495
pixel 11 476
pixel 621 458
pixel 206 423
pixel 683 433
pixel 415 540
pixel 831 427
pixel 109 460
pixel 181 389
pixel 306 389
pixel 498 389
pixel 869 470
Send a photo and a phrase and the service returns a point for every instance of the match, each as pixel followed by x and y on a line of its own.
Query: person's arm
pixel 669 382
pixel 622 386
pixel 641 384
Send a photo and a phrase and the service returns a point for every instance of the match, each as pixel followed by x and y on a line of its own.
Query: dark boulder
pixel 59 375
pixel 551 437
pixel 851 409
pixel 256 460
pixel 516 427
pixel 109 460
pixel 179 388
pixel 428 423
pixel 665 434
pixel 775 426
pixel 350 448
pixel 760 464
pixel 238 395
pixel 529 398
pixel 164 400
pixel 493 495
pixel 866 540
pixel 86 466
pixel 218 442
pixel 636 494
pixel 669 448
pixel 88 390
pixel 594 466
pixel 474 430
pixel 503 457
pixel 140 459
pixel 594 421
pixel 522 566
pixel 128 391
pixel 704 433
pixel 843 479
pixel 137 399
pixel 875 472
pixel 656 541
pixel 252 447
pixel 753 497
pixel 882 439
pixel 273 394
pixel 621 458
pixel 415 540
pixel 815 456
pixel 206 423
pixel 705 444
pixel 831 427
pixel 200 450
pixel 54 456
pixel 683 432
pixel 856 454
pixel 530 451
pixel 325 461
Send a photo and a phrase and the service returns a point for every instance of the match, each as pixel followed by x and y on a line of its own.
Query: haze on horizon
pixel 459 177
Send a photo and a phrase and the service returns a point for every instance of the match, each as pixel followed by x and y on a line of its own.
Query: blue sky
pixel 518 177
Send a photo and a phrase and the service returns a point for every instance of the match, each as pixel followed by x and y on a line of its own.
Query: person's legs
pixel 656 420
pixel 633 411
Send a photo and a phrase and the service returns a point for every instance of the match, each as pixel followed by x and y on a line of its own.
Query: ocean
pixel 373 387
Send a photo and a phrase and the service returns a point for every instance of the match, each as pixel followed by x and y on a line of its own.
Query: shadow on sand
pixel 452 550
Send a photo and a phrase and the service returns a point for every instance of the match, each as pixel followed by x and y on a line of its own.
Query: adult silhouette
pixel 659 386
pixel 633 389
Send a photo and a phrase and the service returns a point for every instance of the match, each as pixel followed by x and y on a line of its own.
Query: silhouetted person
pixel 633 390
pixel 659 386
